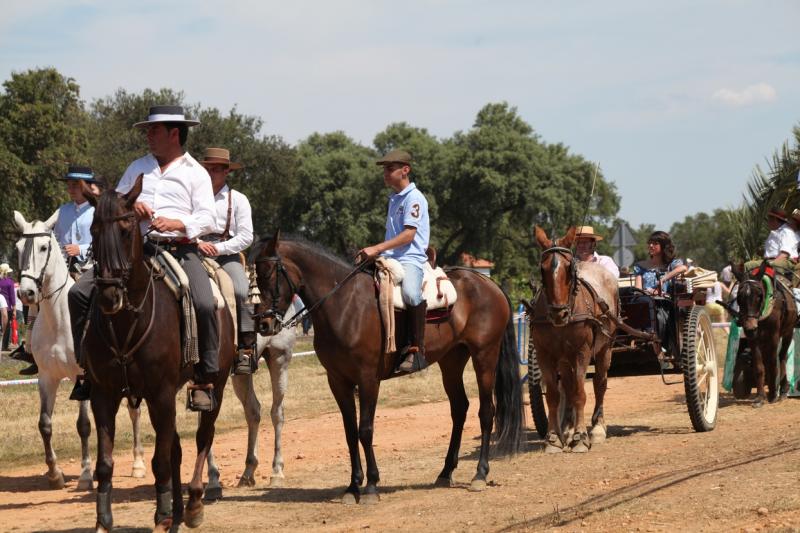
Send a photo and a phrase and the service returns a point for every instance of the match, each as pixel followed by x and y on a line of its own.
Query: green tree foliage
pixel 777 186
pixel 42 131
pixel 707 239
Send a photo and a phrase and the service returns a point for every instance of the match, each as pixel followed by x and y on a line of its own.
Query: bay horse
pixel 572 322
pixel 349 341
pixel 45 282
pixel 768 326
pixel 131 302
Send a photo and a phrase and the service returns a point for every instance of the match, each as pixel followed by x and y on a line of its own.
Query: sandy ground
pixel 653 474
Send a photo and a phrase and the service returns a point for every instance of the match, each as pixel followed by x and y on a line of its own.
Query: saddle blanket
pixel 437 289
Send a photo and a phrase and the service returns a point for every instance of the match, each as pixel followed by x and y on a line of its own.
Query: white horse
pixel 45 282
pixel 277 350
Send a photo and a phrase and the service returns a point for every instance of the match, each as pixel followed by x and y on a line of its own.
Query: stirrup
pixel 206 389
pixel 245 362
pixel 81 391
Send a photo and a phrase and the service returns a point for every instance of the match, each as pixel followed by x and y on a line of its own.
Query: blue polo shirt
pixel 74 226
pixel 408 208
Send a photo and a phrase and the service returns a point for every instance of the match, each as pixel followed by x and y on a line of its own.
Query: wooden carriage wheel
pixel 700 369
pixel 536 393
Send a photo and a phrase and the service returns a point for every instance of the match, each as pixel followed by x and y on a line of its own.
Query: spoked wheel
pixel 536 393
pixel 699 361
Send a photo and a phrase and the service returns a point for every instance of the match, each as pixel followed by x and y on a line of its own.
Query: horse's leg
pixel 213 490
pixel 484 362
pixel 47 400
pixel 139 468
pixel 343 393
pixel 580 439
pixel 602 361
pixel 553 440
pixel 452 367
pixel 245 391
pixel 176 457
pixel 84 430
pixel 784 381
pixel 279 374
pixel 104 409
pixel 204 438
pixel 368 390
pixel 568 391
pixel 758 373
pixel 162 416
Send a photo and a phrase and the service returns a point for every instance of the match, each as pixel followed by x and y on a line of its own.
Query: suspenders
pixel 226 232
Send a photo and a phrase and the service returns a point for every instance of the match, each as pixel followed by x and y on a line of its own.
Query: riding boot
pixel 21 354
pixel 31 370
pixel 415 351
pixel 201 392
pixel 246 356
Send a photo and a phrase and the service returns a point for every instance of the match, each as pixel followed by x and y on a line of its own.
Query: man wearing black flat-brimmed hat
pixel 177 204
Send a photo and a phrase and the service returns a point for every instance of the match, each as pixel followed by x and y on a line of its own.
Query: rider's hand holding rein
pixel 72 250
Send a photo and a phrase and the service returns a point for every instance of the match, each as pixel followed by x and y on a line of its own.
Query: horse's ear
pixel 89 194
pixel 272 245
pixel 567 240
pixel 541 238
pixel 20 221
pixel 131 196
pixel 50 223
pixel 737 269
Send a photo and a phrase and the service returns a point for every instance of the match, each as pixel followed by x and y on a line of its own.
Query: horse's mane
pixel 302 242
pixel 109 251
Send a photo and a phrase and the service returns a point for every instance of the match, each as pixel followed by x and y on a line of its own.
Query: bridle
pixel 756 285
pixel 569 256
pixel 27 257
pixel 275 290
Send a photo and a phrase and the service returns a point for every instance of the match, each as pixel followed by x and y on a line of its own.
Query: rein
pixel 26 259
pixel 566 254
pixel 273 312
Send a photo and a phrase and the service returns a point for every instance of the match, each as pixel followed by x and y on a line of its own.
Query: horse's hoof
pixel 56 482
pixel 164 526
pixel 370 498
pixel 277 481
pixel 85 484
pixel 549 448
pixel 349 498
pixel 579 448
pixel 444 482
pixel 758 404
pixel 212 494
pixel 597 435
pixel 100 529
pixel 477 485
pixel 246 481
pixel 138 472
pixel 193 518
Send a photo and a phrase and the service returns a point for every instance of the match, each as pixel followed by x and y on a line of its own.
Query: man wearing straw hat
pixel 233 233
pixel 780 248
pixel 586 249
pixel 177 203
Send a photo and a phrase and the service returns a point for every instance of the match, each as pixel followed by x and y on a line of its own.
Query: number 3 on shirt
pixel 415 210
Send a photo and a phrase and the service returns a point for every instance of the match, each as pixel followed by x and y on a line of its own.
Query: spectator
pixel 3 312
pixel 9 296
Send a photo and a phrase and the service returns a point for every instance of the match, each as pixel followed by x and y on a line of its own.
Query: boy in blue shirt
pixel 406 240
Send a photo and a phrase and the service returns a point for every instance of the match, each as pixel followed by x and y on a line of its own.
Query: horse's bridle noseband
pixel 567 254
pixel 120 282
pixel 275 292
pixel 27 256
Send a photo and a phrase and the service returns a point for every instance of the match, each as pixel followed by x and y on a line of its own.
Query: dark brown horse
pixel 348 339
pixel 132 348
pixel 768 322
pixel 571 324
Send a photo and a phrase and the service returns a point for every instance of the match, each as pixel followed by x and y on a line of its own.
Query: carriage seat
pixel 437 289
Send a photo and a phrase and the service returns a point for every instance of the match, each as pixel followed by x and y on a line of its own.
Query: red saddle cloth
pixel 768 271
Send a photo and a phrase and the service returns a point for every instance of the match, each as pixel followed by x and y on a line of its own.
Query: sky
pixel 677 101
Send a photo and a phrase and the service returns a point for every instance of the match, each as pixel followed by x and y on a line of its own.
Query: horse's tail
pixel 508 416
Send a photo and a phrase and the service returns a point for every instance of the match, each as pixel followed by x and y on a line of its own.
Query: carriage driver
pixel 586 250
pixel 406 240
pixel 177 203
pixel 780 248
pixel 233 233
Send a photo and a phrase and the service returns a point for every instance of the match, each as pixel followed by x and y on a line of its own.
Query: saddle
pixel 165 265
pixel 437 289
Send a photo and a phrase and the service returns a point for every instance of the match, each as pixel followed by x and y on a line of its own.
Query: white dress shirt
pixel 607 263
pixel 241 226
pixel 183 191
pixel 783 239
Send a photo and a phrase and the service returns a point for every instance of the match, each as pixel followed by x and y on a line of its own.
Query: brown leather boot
pixel 415 351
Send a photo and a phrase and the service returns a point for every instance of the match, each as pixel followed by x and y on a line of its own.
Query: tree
pixel 707 239
pixel 42 131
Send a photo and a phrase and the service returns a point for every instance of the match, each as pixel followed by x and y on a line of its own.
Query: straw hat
pixel 587 232
pixel 5 269
pixel 219 156
pixel 780 214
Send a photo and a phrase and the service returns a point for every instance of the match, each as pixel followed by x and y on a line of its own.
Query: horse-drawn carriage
pixel 638 350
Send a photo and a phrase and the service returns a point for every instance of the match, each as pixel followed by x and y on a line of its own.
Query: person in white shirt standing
pixel 586 249
pixel 177 204
pixel 4 312
pixel 233 233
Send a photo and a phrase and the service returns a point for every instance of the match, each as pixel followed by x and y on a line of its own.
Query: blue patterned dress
pixel 650 275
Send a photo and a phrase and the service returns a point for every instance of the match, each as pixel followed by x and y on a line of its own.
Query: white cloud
pixel 752 94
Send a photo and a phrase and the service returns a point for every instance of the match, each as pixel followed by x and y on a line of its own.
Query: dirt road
pixel 653 474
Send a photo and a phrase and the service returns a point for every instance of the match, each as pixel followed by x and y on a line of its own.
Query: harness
pixel 27 257
pixel 274 312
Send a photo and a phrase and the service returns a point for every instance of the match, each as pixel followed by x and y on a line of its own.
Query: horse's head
pixel 750 299
pixel 559 274
pixel 38 254
pixel 116 245
pixel 278 281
